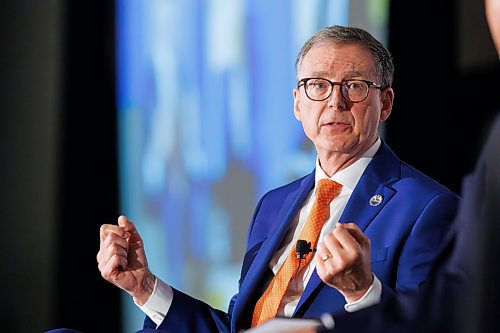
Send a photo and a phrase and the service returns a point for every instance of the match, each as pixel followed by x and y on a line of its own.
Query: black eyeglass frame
pixel 342 84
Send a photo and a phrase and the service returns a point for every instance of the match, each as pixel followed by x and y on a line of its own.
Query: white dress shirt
pixel 159 303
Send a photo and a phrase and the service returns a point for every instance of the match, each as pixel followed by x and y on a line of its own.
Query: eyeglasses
pixel 318 89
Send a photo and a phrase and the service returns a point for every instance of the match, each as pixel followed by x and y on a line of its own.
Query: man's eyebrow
pixel 354 74
pixel 320 74
pixel 346 75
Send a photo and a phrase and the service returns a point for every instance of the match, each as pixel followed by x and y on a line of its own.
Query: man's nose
pixel 336 100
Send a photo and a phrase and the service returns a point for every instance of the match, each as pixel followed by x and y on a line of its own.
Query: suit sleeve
pixel 188 314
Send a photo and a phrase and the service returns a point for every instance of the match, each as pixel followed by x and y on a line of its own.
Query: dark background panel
pixel 446 84
pixel 58 170
pixel 88 167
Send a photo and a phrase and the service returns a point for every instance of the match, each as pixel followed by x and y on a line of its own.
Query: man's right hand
pixel 346 264
pixel 122 260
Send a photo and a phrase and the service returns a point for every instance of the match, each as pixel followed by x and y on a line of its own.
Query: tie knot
pixel 327 190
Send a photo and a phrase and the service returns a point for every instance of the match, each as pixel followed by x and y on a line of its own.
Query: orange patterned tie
pixel 269 303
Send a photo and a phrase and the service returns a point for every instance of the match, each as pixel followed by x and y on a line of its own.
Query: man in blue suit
pixel 382 232
pixel 462 294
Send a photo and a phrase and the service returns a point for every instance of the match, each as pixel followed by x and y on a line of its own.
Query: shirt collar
pixel 350 176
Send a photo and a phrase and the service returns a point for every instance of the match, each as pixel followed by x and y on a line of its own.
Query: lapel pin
pixel 376 200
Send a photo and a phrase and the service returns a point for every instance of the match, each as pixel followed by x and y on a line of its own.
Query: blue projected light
pixel 206 127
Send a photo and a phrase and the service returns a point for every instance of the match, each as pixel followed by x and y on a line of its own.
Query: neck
pixel 333 161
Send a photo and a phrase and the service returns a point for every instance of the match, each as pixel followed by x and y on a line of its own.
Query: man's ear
pixel 296 100
pixel 387 99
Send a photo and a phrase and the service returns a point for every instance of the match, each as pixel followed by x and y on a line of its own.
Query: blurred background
pixel 179 115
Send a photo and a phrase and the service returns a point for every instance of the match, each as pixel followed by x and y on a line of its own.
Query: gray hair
pixel 336 34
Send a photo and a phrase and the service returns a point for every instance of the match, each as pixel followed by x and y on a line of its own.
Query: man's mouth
pixel 336 125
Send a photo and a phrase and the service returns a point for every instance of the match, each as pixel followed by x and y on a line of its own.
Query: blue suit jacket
pixel 406 230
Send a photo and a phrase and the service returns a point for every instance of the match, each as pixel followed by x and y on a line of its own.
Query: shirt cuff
pixel 371 297
pixel 159 302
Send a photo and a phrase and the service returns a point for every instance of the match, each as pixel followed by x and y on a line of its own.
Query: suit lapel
pixel 292 203
pixel 378 177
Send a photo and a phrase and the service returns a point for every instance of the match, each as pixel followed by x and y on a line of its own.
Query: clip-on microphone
pixel 302 248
